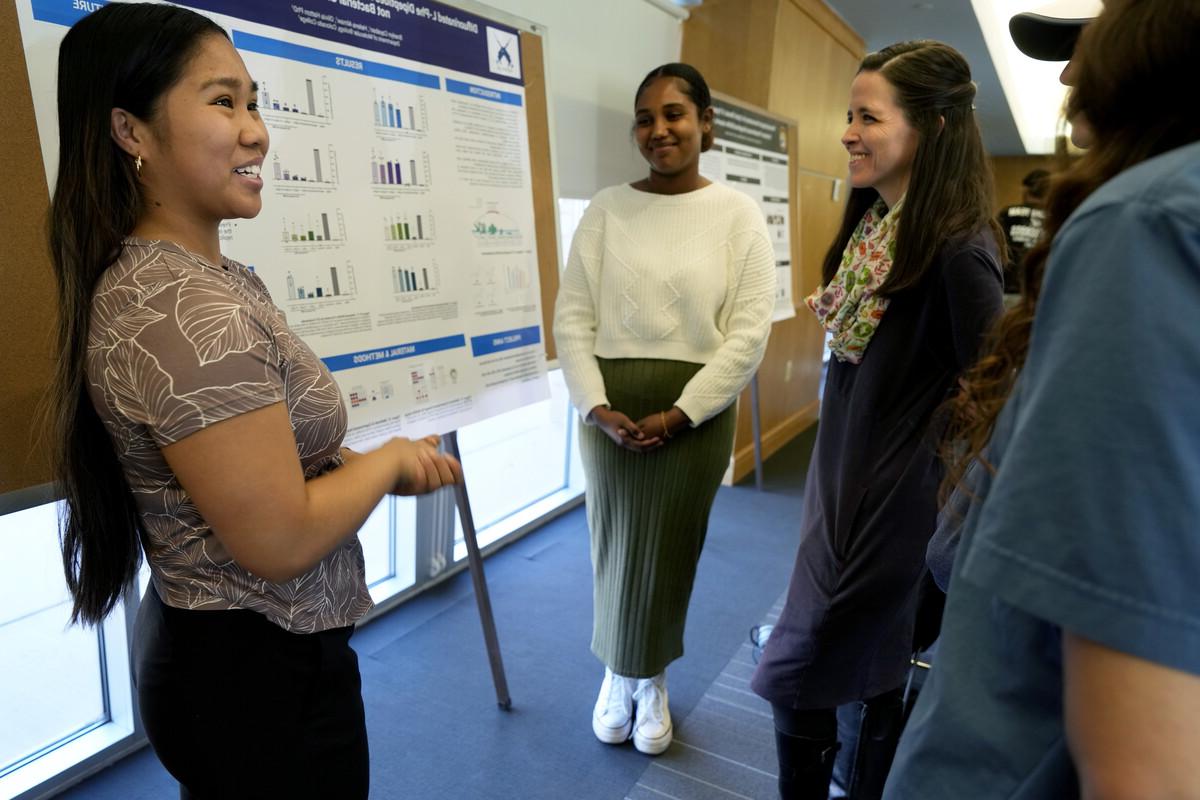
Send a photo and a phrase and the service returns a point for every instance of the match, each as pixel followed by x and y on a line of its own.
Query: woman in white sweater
pixel 662 319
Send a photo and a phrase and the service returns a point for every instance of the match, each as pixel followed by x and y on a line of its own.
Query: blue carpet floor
pixel 724 748
pixel 434 726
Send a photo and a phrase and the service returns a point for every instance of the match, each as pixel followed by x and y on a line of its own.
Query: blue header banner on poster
pixel 381 355
pixel 425 31
pixel 428 32
pixel 64 12
pixel 482 92
pixel 505 340
pixel 251 43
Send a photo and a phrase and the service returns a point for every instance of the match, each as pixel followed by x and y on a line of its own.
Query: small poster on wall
pixel 750 154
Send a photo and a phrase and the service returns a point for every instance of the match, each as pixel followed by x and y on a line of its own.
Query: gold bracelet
pixel 666 430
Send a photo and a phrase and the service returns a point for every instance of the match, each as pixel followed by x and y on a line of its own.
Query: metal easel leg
pixel 475 561
pixel 756 422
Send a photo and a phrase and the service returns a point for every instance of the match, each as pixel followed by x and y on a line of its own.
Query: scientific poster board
pixel 397 230
pixel 750 154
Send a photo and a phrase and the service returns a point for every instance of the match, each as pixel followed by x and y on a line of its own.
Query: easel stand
pixel 756 423
pixel 475 562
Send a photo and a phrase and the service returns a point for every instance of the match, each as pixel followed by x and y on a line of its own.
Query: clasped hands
pixel 648 433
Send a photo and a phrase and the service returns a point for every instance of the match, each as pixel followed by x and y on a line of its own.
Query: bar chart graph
pixel 502 285
pixel 314 100
pixel 411 279
pixel 324 285
pixel 315 168
pixel 408 228
pixel 315 227
pixel 516 278
pixel 400 113
pixel 411 169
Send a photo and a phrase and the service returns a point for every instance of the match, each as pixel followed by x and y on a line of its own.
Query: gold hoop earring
pixel 137 165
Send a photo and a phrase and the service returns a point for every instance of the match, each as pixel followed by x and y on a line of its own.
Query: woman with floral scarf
pixel 910 285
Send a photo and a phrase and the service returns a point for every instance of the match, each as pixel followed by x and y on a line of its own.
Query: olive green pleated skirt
pixel 648 515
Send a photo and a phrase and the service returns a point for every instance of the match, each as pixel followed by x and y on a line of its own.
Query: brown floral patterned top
pixel 177 343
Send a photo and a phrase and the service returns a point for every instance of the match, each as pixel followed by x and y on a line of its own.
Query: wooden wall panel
pixel 790 376
pixel 832 24
pixel 730 42
pixel 810 81
pixel 1009 171
pixel 796 58
pixel 544 203
pixel 27 321
pixel 822 217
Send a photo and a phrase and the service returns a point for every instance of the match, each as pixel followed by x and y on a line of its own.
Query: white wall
pixel 597 52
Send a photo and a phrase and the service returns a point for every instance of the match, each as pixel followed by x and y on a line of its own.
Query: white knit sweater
pixel 687 277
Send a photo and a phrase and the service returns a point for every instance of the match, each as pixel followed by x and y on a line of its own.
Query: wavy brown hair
pixel 1132 62
pixel 950 193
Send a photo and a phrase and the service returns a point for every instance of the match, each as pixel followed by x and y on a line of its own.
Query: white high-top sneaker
pixel 612 718
pixel 652 729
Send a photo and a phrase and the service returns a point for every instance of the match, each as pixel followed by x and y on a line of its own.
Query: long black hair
pixel 124 55
pixel 950 192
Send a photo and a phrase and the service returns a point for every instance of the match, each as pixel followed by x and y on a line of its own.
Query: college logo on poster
pixel 504 53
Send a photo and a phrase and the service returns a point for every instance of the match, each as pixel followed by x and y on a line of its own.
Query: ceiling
pixel 884 22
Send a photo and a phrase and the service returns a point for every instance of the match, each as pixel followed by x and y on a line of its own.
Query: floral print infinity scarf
pixel 848 307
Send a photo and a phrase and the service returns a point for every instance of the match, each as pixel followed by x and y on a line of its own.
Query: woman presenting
pixel 662 319
pixel 193 424
pixel 910 284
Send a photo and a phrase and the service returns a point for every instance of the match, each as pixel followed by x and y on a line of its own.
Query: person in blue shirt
pixel 1069 664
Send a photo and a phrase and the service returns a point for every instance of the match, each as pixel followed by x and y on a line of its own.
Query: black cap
pixel 1046 38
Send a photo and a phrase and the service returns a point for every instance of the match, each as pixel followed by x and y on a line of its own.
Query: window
pixel 64 691
pixel 520 465
pixel 378 552
pixel 389 541
pixel 53 682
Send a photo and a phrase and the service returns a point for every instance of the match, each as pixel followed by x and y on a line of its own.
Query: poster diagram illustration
pixel 493 227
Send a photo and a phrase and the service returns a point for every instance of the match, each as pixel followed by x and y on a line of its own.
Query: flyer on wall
pixel 397 228
pixel 750 154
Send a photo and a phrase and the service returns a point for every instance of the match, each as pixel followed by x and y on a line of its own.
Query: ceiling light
pixel 1035 96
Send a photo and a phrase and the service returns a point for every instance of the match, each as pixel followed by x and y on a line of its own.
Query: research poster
pixel 397 228
pixel 750 154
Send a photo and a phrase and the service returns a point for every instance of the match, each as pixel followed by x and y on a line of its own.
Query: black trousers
pixel 807 744
pixel 235 706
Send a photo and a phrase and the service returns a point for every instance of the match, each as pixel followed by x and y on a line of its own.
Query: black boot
pixel 878 734
pixel 805 766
